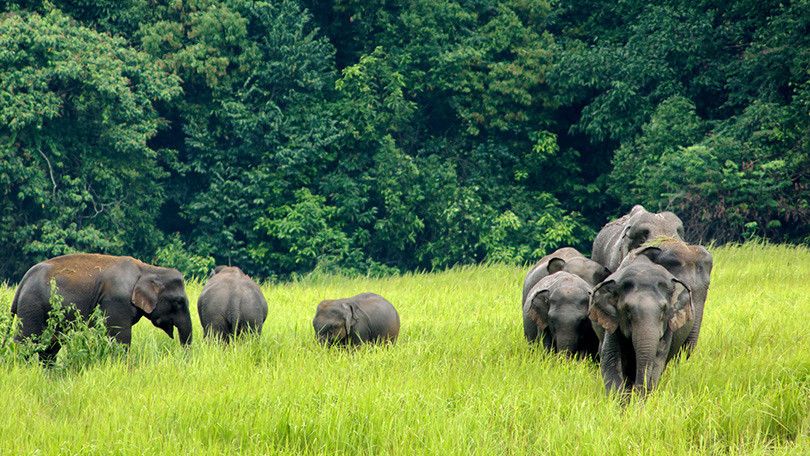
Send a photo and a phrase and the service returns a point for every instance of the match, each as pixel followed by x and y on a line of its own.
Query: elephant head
pixel 589 270
pixel 161 295
pixel 558 306
pixel 643 308
pixel 692 264
pixel 642 226
pixel 333 322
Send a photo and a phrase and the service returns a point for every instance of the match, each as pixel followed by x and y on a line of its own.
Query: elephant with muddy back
pixel 231 304
pixel 124 288
pixel 617 238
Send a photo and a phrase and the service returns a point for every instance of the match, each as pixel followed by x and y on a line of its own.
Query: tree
pixel 77 109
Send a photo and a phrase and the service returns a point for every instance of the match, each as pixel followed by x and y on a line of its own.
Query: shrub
pixel 84 341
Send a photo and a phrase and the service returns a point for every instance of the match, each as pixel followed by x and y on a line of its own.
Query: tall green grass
pixel 461 379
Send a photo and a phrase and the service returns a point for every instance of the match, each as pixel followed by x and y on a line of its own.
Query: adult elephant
pixel 231 303
pixel 643 316
pixel 691 264
pixel 366 317
pixel 566 259
pixel 617 238
pixel 124 288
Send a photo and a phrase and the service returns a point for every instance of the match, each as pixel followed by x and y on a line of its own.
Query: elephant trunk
pixel 647 371
pixel 566 341
pixel 183 326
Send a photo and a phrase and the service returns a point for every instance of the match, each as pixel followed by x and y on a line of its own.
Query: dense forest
pixel 375 136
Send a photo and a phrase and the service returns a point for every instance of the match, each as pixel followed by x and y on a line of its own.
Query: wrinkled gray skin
pixel 565 259
pixel 691 264
pixel 366 317
pixel 556 312
pixel 126 289
pixel 231 304
pixel 643 316
pixel 616 239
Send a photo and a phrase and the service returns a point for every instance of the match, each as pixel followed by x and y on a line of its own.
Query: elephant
pixel 366 317
pixel 230 304
pixel 617 238
pixel 566 259
pixel 124 288
pixel 691 264
pixel 642 315
pixel 556 310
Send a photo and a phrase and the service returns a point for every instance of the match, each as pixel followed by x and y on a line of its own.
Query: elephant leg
pixel 48 355
pixel 610 363
pixel 218 330
pixel 548 340
pixel 529 329
pixel 120 329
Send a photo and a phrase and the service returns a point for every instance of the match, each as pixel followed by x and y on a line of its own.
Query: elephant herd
pixel 230 303
pixel 634 306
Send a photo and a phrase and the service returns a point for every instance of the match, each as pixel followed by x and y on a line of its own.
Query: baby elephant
pixel 556 310
pixel 366 317
pixel 231 303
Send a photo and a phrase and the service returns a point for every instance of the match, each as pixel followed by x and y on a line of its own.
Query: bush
pixel 175 255
pixel 84 342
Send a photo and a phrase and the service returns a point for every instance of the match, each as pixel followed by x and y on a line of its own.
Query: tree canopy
pixel 376 136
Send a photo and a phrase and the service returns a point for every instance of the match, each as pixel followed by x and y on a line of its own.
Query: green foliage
pixel 84 341
pixel 174 254
pixel 76 114
pixel 370 136
pixel 301 236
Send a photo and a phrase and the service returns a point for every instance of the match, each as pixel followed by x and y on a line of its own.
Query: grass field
pixel 461 379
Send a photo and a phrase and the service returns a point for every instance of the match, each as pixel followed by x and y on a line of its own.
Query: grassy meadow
pixel 461 379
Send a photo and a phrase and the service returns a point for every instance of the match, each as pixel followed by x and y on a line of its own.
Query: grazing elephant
pixel 565 259
pixel 231 304
pixel 616 239
pixel 643 316
pixel 691 264
pixel 556 310
pixel 125 288
pixel 366 317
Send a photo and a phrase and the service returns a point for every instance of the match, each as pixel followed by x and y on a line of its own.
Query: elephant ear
pixel 602 308
pixel 682 307
pixel 555 265
pixel 216 271
pixel 650 252
pixel 349 318
pixel 537 308
pixel 145 294
pixel 601 274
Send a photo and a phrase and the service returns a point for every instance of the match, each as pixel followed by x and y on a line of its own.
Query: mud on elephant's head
pixel 647 311
pixel 692 264
pixel 642 225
